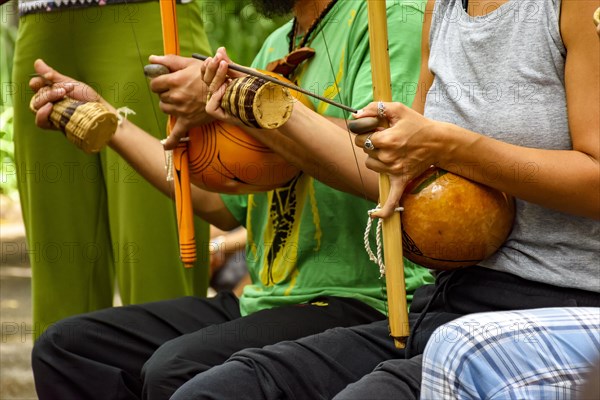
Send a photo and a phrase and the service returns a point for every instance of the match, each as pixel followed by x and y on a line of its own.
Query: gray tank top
pixel 502 74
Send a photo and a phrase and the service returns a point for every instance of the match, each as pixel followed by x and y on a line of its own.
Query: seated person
pixel 530 354
pixel 543 353
pixel 305 249
pixel 540 142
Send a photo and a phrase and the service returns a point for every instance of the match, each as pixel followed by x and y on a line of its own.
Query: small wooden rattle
pixel 254 101
pixel 88 125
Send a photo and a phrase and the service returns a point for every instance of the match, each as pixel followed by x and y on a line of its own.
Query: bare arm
pixel 142 151
pixel 566 180
pixel 425 76
pixel 330 157
pixel 146 155
pixel 319 146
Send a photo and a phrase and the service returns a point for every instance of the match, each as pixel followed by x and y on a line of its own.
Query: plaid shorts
pixel 543 353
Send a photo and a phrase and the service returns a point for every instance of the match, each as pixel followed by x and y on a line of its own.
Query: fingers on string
pixel 213 105
pixel 222 53
pixel 223 57
pixel 217 73
pixel 209 70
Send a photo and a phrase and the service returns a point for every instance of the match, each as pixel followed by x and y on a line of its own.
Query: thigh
pixel 314 367
pixel 125 337
pixel 179 360
pixel 318 366
pixel 399 379
pixel 331 360
pixel 216 343
pixel 540 353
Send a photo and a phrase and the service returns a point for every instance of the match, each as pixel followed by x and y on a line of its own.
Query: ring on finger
pixel 368 143
pixel 208 96
pixel 380 109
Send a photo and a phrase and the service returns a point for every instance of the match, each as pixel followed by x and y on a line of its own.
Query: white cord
pixel 122 114
pixel 169 158
pixel 377 259
pixel 168 162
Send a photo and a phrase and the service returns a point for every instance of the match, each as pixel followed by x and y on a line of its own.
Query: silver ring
pixel 368 143
pixel 380 109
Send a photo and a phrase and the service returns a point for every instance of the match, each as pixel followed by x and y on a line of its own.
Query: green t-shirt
pixel 306 239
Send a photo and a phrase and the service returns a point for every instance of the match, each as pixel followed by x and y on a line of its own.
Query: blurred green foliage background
pixel 8 35
pixel 237 25
pixel 234 24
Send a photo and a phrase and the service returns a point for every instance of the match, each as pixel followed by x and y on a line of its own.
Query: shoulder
pixel 576 18
pixel 279 33
pixel 274 46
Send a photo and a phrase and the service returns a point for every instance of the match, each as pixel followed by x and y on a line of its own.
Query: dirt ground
pixel 16 379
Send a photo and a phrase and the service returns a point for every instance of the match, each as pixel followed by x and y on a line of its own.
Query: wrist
pixel 446 142
pixel 217 244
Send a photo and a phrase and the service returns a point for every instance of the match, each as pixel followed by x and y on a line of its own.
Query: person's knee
pixel 229 381
pixel 159 374
pixel 445 340
pixel 57 347
pixel 43 347
pixel 400 379
pixel 167 369
pixel 60 337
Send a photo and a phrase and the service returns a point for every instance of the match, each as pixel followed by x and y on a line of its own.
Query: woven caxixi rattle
pixel 88 125
pixel 226 159
pixel 258 103
pixel 255 101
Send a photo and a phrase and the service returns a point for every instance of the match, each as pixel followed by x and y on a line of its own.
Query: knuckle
pixel 385 158
pixel 176 98
pixel 397 169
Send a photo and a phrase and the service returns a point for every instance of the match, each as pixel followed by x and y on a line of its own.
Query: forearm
pixel 564 180
pixel 146 155
pixel 320 147
pixel 230 242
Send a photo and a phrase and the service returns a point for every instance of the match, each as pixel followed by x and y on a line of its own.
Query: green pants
pixel 91 219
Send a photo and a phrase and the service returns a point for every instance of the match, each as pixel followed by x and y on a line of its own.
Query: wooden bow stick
pixel 268 78
pixel 392 228
pixel 181 175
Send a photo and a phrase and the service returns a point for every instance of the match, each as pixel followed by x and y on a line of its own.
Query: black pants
pixel 148 351
pixel 361 362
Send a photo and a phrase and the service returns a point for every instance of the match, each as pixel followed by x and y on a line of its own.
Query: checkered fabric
pixel 530 354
